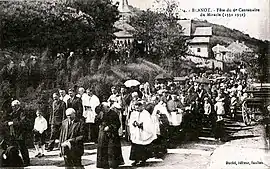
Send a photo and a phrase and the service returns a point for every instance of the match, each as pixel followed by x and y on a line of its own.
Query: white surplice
pixel 91 102
pixel 145 135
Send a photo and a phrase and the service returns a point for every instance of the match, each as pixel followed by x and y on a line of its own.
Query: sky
pixel 256 24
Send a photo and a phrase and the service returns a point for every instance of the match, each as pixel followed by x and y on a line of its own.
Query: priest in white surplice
pixel 142 133
pixel 90 103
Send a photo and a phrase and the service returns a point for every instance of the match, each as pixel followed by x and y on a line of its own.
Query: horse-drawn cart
pixel 254 104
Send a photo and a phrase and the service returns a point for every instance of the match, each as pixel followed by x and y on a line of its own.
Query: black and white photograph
pixel 147 84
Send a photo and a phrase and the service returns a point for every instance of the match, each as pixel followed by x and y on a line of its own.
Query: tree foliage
pixel 40 30
pixel 41 24
pixel 160 34
pixel 104 15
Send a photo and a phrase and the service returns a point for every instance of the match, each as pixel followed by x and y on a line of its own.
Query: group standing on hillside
pixel 150 118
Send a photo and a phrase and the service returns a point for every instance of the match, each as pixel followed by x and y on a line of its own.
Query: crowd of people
pixel 149 117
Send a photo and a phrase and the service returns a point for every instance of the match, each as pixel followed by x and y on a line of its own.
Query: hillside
pixel 116 75
pixel 225 36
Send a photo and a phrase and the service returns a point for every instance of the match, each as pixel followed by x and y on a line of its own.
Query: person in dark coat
pixel 75 103
pixel 72 137
pixel 17 123
pixel 9 155
pixel 109 152
pixel 56 117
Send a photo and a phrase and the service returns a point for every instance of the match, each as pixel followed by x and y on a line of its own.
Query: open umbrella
pixel 163 76
pixel 133 82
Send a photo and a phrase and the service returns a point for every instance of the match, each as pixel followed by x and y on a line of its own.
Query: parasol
pixel 133 82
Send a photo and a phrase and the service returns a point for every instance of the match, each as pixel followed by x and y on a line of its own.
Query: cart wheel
pixel 246 114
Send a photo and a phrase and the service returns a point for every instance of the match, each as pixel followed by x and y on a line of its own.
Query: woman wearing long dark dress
pixel 109 152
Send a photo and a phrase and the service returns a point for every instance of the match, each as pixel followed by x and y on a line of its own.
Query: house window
pixel 198 49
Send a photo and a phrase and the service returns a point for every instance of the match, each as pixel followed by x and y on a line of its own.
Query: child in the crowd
pixel 207 111
pixel 39 136
pixel 219 107
pixel 207 107
pixel 233 105
pixel 220 111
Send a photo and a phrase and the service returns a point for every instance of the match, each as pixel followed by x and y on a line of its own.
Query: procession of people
pixel 150 117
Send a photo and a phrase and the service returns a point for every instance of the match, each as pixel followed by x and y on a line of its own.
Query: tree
pixel 248 60
pixel 104 15
pixel 42 24
pixel 43 29
pixel 161 33
pixel 264 61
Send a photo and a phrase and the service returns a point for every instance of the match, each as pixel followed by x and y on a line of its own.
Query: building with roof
pixel 238 48
pixel 227 54
pixel 199 44
pixel 203 32
pixel 221 53
pixel 123 34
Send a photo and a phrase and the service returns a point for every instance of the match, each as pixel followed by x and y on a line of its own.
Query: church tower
pixel 123 35
pixel 124 9
pixel 123 6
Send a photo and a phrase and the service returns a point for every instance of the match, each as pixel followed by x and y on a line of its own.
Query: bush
pixel 100 83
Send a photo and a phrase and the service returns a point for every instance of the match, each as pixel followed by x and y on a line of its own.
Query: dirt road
pixel 246 147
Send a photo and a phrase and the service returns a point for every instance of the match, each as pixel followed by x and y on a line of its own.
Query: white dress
pixel 219 107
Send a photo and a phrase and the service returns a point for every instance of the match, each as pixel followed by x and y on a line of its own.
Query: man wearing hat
pixel 71 139
pixel 17 123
